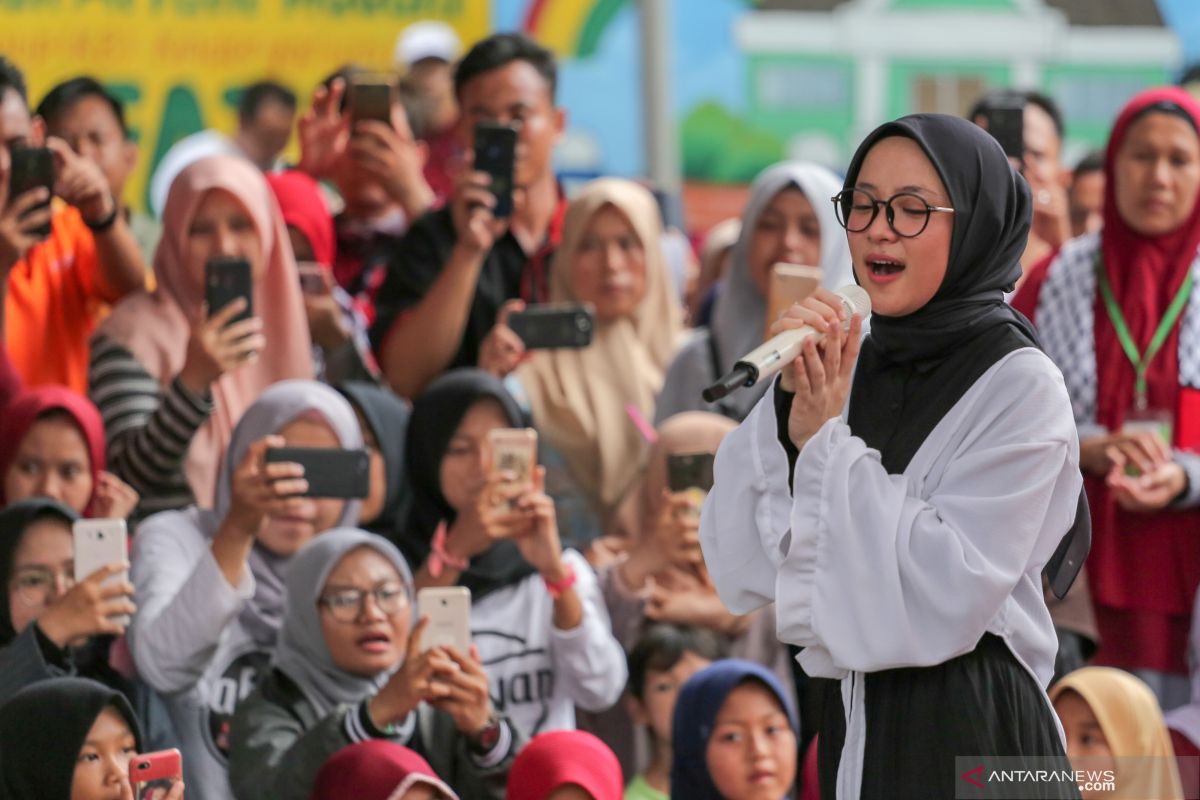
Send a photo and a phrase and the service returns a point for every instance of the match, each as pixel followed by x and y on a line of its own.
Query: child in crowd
pixel 660 663
pixel 379 770
pixel 1113 722
pixel 565 765
pixel 734 735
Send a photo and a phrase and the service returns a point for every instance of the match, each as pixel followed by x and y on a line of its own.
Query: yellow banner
pixel 179 65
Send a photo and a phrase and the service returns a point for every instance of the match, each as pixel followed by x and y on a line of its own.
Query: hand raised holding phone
pixel 218 344
pixel 90 608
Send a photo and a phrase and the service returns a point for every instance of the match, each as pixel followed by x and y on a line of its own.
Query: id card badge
pixel 1158 421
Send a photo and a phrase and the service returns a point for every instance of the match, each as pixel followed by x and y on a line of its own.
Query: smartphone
pixel 371 97
pixel 226 279
pixel 788 284
pixel 514 450
pixel 551 325
pixel 1006 123
pixel 691 474
pixel 330 472
pixel 449 612
pixel 99 542
pixel 153 774
pixel 495 154
pixel 32 167
pixel 312 278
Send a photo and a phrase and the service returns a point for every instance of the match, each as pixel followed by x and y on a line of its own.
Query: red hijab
pixel 29 406
pixel 1145 273
pixel 375 770
pixel 304 209
pixel 565 758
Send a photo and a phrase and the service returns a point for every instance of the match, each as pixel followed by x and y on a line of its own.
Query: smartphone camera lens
pixel 144 765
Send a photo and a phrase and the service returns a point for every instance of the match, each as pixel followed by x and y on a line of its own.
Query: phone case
pixel 1007 125
pixel 449 612
pixel 31 167
pixel 371 98
pixel 514 450
pixel 311 280
pixel 225 280
pixel 788 284
pixel 690 471
pixel 153 774
pixel 554 325
pixel 99 542
pixel 495 154
pixel 330 472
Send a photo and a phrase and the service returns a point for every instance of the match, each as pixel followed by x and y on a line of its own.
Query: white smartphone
pixel 99 542
pixel 449 612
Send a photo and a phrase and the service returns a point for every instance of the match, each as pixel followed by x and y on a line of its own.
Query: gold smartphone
pixel 788 284
pixel 514 450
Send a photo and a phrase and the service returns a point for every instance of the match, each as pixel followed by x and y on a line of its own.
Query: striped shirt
pixel 149 428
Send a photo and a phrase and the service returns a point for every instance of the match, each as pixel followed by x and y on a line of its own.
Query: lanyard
pixel 1141 362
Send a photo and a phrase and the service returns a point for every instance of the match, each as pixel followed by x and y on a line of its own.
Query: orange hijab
pixel 154 326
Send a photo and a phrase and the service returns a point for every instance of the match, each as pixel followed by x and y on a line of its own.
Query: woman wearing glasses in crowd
pixel 898 503
pixel 51 626
pixel 1117 313
pixel 349 668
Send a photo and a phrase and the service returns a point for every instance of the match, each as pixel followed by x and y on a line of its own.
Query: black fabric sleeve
pixel 412 269
pixel 783 407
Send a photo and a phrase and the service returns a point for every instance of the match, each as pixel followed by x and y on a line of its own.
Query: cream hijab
pixel 155 327
pixel 1132 722
pixel 579 397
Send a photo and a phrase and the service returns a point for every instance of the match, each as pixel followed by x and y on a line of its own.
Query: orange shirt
pixel 54 296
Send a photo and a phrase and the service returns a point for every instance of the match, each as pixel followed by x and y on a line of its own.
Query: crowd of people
pixel 622 643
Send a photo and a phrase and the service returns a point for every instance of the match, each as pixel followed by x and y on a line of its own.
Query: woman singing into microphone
pixel 902 539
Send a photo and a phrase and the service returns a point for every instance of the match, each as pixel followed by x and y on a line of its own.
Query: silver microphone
pixel 767 360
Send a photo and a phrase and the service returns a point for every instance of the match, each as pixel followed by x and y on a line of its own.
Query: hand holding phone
pixel 227 279
pixel 99 544
pixel 449 611
pixel 371 98
pixel 513 451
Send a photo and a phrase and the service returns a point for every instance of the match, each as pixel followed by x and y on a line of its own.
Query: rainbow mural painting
pixel 571 28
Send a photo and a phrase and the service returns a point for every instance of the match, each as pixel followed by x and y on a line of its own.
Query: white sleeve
pixel 184 605
pixel 883 572
pixel 587 658
pixel 744 523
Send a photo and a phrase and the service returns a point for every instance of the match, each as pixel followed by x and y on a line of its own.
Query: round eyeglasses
pixel 907 214
pixel 345 605
pixel 36 585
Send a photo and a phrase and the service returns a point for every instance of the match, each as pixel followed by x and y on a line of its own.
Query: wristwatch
pixel 487 737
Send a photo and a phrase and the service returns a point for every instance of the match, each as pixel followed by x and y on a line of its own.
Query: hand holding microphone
pixel 820 375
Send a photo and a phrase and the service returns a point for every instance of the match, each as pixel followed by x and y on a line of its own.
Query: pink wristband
pixel 439 559
pixel 556 588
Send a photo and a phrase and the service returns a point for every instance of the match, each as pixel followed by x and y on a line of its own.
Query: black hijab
pixel 436 415
pixel 42 730
pixel 913 369
pixel 388 417
pixel 14 520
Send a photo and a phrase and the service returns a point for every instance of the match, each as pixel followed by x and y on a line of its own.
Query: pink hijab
pixel 154 326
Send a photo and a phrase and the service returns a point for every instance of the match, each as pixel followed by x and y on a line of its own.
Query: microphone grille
pixel 856 299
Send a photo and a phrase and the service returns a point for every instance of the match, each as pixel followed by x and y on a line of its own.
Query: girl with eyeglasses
pixel 898 497
pixel 51 626
pixel 349 669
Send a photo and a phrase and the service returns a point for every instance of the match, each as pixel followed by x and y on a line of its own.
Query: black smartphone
pixel 495 154
pixel 690 471
pixel 1006 123
pixel 226 279
pixel 543 327
pixel 31 167
pixel 329 472
pixel 371 98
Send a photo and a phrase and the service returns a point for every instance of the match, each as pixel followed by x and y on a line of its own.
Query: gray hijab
pixel 280 404
pixel 302 653
pixel 740 310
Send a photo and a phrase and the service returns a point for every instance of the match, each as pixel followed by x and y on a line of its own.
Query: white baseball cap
pixel 426 39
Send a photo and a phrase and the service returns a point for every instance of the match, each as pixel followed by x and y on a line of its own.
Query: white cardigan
pixel 871 571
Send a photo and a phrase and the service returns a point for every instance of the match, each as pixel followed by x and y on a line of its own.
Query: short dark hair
pixel 1003 97
pixel 414 108
pixel 501 49
pixel 11 77
pixel 62 98
pixel 660 647
pixel 1092 162
pixel 256 94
